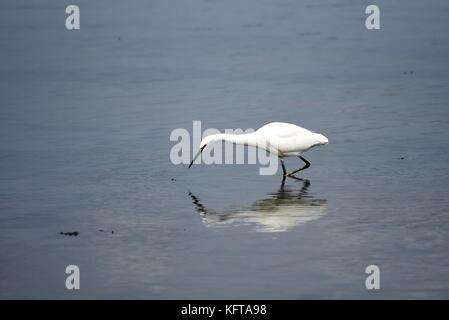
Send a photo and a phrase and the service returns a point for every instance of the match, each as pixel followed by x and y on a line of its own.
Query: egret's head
pixel 204 143
pixel 207 140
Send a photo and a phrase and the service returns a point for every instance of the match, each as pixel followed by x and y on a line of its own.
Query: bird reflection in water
pixel 281 211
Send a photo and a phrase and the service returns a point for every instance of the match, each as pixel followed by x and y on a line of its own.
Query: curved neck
pixel 247 139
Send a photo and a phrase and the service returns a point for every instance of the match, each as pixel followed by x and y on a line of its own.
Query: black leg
pixel 307 164
pixel 283 167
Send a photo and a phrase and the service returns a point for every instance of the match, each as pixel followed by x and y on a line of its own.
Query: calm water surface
pixel 85 120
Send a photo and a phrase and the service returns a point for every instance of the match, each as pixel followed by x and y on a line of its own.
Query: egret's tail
pixel 322 139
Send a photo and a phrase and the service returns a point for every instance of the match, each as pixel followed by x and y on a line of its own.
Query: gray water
pixel 86 116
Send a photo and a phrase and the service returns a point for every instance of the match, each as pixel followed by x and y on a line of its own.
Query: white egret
pixel 279 138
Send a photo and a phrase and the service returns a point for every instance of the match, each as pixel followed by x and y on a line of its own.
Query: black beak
pixel 197 155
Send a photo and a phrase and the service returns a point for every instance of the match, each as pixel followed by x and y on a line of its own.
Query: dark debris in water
pixel 102 230
pixel 253 25
pixel 73 233
pixel 173 179
pixel 76 233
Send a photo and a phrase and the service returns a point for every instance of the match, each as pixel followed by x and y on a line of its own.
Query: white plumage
pixel 280 138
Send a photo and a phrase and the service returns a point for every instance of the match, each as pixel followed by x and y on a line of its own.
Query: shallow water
pixel 84 145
